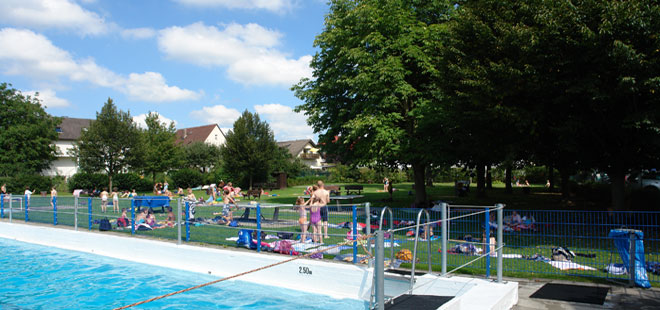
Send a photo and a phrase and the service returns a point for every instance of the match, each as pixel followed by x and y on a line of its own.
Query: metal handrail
pixel 428 241
pixel 380 227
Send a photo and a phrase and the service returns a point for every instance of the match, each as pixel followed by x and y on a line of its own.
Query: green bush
pixel 186 178
pixel 83 180
pixel 307 180
pixel 37 183
pixel 130 181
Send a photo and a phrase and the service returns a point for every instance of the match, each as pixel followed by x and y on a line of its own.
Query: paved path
pixel 619 297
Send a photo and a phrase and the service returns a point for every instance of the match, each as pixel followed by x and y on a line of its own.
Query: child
pixel 226 209
pixel 303 218
pixel 104 200
pixel 315 218
pixel 53 194
pixel 122 221
pixel 115 200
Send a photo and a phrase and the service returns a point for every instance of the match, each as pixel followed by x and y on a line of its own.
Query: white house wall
pixel 216 137
pixel 64 164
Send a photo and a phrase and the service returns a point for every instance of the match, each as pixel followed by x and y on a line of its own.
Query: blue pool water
pixel 38 277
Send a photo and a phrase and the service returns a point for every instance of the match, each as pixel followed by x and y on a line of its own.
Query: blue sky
pixel 195 62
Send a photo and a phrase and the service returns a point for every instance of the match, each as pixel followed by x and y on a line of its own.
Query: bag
pixel 244 238
pixel 104 225
pixel 233 223
pixel 562 254
pixel 404 255
pixel 122 222
pixel 285 235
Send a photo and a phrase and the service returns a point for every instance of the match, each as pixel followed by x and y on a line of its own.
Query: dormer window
pixel 58 129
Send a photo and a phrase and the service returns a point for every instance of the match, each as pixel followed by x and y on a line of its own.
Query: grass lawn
pixel 528 244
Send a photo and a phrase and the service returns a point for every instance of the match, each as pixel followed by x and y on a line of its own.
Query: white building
pixel 307 151
pixel 69 131
pixel 209 134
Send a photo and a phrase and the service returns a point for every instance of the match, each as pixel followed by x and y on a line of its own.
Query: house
pixel 209 134
pixel 307 151
pixel 69 131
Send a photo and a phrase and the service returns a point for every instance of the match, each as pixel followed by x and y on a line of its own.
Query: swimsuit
pixel 225 210
pixel 315 216
pixel 324 213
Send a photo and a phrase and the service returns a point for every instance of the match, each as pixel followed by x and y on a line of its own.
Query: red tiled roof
pixel 186 136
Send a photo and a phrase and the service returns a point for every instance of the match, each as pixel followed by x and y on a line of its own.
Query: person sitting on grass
pixel 171 219
pixel 122 221
pixel 226 208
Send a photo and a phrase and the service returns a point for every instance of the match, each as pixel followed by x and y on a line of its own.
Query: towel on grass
pixel 569 265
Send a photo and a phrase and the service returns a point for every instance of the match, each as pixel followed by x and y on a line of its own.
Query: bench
pixel 353 188
pixel 269 186
pixel 254 193
pixel 333 189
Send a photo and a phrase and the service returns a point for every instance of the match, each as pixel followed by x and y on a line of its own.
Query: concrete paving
pixel 619 297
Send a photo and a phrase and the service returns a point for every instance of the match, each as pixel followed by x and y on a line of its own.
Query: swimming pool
pixel 39 277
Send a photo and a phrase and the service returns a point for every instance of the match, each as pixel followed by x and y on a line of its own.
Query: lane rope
pixel 236 275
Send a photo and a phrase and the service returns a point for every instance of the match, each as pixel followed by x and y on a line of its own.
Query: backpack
pixel 244 238
pixel 562 254
pixel 104 225
pixel 122 222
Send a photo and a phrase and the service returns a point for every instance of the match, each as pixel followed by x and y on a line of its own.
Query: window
pixel 58 129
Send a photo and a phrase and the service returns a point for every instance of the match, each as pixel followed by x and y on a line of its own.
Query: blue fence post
pixel 27 204
pixel 258 228
pixel 89 213
pixel 2 206
pixel 487 241
pixel 133 216
pixel 187 221
pixel 355 249
pixel 55 211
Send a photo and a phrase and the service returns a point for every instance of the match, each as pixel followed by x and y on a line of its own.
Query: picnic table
pixel 246 212
pixel 339 200
pixel 151 202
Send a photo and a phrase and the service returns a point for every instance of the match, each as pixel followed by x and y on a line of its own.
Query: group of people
pixel 104 199
pixel 317 204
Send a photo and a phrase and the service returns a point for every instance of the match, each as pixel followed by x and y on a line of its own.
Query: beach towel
pixel 569 265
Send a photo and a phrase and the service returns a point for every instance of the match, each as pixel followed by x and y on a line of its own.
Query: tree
pixel 111 143
pixel 161 152
pixel 249 150
pixel 27 133
pixel 201 156
pixel 374 96
pixel 285 162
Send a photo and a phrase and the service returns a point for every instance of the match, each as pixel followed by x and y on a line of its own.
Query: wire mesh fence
pixel 529 235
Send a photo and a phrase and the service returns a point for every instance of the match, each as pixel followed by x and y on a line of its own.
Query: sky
pixel 194 62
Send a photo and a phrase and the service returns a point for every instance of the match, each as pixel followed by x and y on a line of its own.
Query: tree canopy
pixel 249 151
pixel 111 143
pixel 27 133
pixel 374 96
pixel 201 156
pixel 161 152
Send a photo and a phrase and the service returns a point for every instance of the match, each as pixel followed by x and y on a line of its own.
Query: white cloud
pixel 59 14
pixel 247 51
pixel 138 33
pixel 217 114
pixel 48 98
pixel 29 54
pixel 269 5
pixel 285 123
pixel 140 120
pixel 151 86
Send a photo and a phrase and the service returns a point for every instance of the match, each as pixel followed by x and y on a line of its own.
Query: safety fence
pixel 529 235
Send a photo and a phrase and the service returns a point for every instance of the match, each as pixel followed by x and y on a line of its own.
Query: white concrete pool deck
pixel 334 279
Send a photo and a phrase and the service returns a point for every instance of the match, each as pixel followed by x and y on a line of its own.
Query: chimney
pixel 185 133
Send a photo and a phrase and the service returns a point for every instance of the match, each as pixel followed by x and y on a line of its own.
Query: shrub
pixel 34 181
pixel 83 180
pixel 187 178
pixel 130 181
pixel 307 180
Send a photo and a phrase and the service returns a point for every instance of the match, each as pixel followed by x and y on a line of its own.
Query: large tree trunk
pixel 551 177
pixel 250 181
pixel 429 176
pixel 109 181
pixel 507 179
pixel 618 194
pixel 489 178
pixel 565 187
pixel 420 186
pixel 481 180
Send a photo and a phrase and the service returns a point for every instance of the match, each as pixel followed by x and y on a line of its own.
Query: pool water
pixel 38 277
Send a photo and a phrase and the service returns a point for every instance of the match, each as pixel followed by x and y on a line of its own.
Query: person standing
pixel 3 189
pixel 27 194
pixel 53 195
pixel 323 196
pixel 115 200
pixel 104 200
